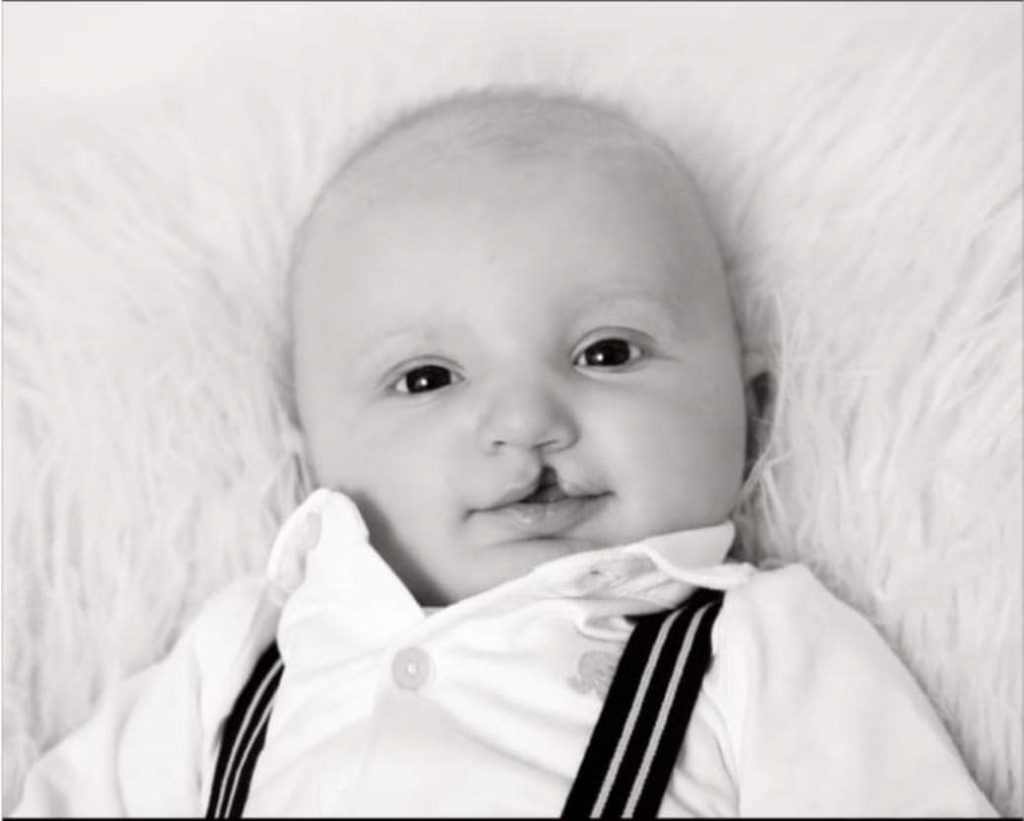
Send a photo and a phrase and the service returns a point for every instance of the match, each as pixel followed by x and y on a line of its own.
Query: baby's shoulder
pixel 781 643
pixel 232 626
pixel 789 610
pixel 230 606
pixel 788 591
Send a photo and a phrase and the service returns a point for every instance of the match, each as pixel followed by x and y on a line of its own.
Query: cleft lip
pixel 519 493
pixel 544 489
pixel 545 494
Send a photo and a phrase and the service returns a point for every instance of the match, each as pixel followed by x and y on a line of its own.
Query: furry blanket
pixel 864 168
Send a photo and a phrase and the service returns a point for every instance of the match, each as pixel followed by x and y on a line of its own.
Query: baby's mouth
pixel 547 491
pixel 547 510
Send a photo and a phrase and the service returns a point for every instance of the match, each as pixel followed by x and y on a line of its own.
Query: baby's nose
pixel 527 417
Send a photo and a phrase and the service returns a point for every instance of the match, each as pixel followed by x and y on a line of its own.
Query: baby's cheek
pixel 669 462
pixel 399 467
pixel 636 432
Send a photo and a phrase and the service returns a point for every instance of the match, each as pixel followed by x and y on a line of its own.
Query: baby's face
pixel 510 362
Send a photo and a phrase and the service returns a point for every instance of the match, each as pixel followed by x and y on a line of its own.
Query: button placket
pixel 597 579
pixel 600 578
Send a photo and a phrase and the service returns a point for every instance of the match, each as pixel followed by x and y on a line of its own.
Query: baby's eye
pixel 608 353
pixel 424 378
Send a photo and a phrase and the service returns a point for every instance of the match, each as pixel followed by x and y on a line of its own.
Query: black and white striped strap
pixel 632 749
pixel 242 739
pixel 636 741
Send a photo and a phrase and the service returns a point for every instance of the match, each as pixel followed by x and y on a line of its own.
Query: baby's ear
pixel 759 391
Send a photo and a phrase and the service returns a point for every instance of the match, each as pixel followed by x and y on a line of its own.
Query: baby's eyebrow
pixel 664 304
pixel 381 344
pixel 661 312
pixel 379 337
pixel 389 342
pixel 620 295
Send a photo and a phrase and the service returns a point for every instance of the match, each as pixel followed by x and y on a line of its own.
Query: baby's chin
pixel 603 531
pixel 491 565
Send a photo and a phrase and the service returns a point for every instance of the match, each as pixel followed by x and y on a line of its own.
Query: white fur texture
pixel 863 165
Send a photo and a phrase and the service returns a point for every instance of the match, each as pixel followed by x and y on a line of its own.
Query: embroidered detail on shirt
pixel 595 671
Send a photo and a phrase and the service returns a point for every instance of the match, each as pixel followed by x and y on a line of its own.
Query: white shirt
pixel 485 707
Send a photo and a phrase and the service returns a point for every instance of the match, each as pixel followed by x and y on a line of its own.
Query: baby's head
pixel 513 341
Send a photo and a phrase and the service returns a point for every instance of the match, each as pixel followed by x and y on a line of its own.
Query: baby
pixel 518 375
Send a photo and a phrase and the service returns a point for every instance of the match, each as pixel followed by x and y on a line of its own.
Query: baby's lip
pixel 544 488
pixel 544 507
pixel 536 517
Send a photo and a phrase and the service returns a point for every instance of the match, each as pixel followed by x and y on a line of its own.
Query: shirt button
pixel 411 668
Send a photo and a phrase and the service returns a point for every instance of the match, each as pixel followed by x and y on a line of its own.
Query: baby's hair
pixel 513 122
pixel 506 123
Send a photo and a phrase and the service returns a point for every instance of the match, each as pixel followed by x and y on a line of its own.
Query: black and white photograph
pixel 512 409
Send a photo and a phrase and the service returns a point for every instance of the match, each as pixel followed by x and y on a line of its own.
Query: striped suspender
pixel 244 733
pixel 631 753
pixel 638 736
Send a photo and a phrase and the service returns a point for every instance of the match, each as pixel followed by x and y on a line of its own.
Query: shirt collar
pixel 322 569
